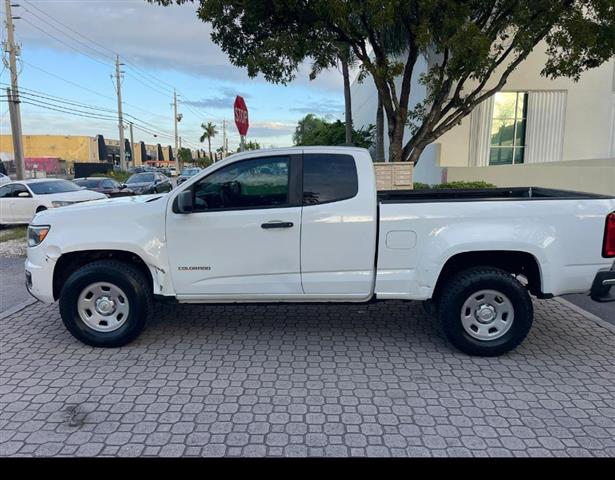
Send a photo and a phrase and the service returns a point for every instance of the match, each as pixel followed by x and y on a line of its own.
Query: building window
pixel 508 128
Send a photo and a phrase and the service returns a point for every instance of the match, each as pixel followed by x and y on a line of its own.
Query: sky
pixel 67 52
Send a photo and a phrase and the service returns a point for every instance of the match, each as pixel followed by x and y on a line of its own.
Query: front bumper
pixel 603 287
pixel 39 274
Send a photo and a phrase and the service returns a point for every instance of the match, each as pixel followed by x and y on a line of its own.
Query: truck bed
pixel 483 194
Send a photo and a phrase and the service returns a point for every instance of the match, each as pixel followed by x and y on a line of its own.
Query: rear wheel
pixel 485 311
pixel 105 303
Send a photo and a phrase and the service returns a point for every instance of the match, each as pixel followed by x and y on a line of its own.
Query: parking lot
pixel 315 380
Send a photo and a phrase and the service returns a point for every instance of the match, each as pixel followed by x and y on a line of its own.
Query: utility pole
pixel 176 119
pixel 118 79
pixel 132 146
pixel 13 94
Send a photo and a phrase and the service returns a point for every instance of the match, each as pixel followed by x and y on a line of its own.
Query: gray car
pixel 148 183
pixel 188 173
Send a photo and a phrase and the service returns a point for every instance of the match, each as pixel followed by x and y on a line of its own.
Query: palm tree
pixel 344 55
pixel 209 132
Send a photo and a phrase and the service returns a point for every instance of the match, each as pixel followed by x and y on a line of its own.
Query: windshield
pixel 87 183
pixel 53 186
pixel 141 178
pixel 190 171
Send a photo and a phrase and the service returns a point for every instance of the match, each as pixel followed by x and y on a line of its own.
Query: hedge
pixel 449 185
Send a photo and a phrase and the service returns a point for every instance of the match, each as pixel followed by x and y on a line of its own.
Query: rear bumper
pixel 603 288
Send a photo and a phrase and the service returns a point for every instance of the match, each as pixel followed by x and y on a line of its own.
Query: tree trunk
pixel 209 144
pixel 380 131
pixel 415 154
pixel 347 100
pixel 396 139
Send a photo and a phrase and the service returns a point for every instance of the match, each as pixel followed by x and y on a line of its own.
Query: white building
pixel 556 133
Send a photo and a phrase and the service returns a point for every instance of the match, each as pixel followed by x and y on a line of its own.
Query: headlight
pixel 36 234
pixel 60 204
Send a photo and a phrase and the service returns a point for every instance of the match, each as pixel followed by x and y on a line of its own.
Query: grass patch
pixel 13 233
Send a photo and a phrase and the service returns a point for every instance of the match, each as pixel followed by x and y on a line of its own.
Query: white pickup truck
pixel 307 225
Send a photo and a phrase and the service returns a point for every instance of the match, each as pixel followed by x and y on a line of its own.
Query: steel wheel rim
pixel 487 315
pixel 103 307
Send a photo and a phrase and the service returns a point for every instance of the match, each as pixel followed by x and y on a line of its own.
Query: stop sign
pixel 241 115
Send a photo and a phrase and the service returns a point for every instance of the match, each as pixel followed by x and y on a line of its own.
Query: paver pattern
pixel 304 380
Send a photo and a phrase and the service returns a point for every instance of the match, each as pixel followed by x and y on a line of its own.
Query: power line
pixel 68 81
pixel 72 37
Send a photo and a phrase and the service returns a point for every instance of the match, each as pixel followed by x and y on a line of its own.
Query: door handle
pixel 269 225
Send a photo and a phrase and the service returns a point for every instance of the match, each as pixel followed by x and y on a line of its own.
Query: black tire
pixel 430 307
pixel 129 279
pixel 461 286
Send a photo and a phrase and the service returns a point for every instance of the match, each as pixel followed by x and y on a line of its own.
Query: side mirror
pixel 23 195
pixel 123 185
pixel 185 203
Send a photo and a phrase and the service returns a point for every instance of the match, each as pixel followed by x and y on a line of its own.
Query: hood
pixel 106 209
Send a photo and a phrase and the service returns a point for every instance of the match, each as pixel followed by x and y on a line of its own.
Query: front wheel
pixel 106 303
pixel 485 311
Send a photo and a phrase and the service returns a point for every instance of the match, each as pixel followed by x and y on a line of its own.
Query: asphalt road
pixel 12 288
pixel 13 291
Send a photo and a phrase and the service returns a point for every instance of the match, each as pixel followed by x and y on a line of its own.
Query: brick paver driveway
pixel 302 380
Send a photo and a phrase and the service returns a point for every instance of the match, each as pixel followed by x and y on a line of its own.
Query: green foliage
pixel 185 155
pixel 209 131
pixel 13 233
pixel 250 145
pixel 117 175
pixel 312 130
pixel 472 46
pixel 477 184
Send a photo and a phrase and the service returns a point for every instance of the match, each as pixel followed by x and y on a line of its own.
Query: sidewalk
pixel 306 380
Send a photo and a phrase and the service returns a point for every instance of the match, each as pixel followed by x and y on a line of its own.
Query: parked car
pixel 108 186
pixel 187 173
pixel 4 179
pixel 307 225
pixel 172 172
pixel 20 200
pixel 149 182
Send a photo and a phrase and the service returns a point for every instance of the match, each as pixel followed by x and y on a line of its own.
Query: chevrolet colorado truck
pixel 308 225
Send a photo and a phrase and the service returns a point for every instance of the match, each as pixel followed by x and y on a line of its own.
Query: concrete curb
pixel 586 314
pixel 17 308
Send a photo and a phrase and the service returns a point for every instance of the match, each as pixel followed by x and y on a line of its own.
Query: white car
pixel 21 200
pixel 4 179
pixel 173 171
pixel 308 225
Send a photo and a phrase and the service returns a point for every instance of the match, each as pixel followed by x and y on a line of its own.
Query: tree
pixel 346 59
pixel 380 131
pixel 251 145
pixel 209 132
pixel 312 130
pixel 471 46
pixel 184 155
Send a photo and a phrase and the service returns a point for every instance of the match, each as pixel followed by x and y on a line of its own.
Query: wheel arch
pixel 513 261
pixel 70 262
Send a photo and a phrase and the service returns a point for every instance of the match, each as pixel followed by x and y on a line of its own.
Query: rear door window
pixel 328 178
